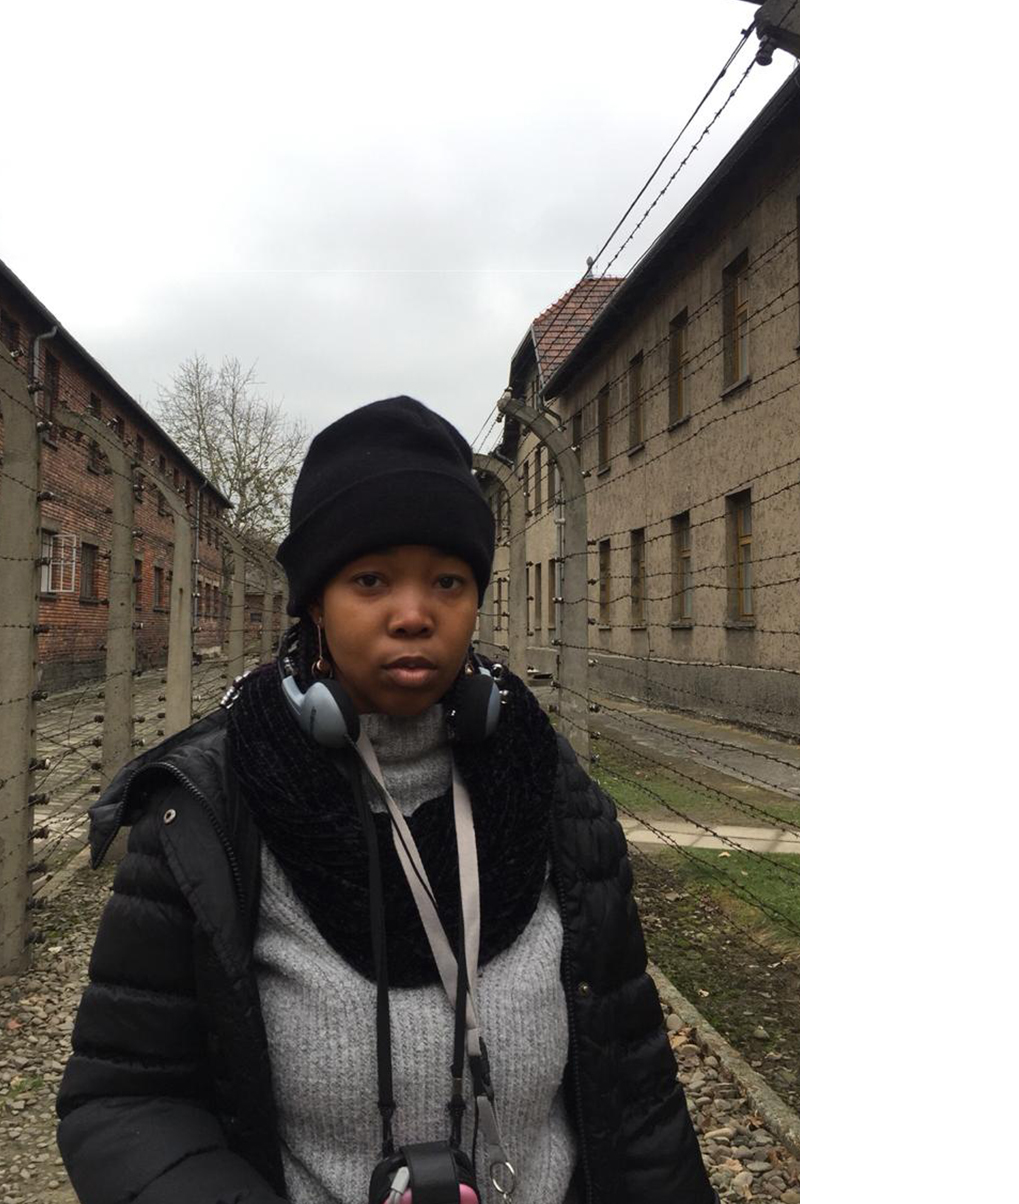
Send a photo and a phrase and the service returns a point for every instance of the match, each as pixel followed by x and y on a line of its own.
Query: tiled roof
pixel 558 329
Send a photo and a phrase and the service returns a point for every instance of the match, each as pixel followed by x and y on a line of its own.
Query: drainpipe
pixel 35 351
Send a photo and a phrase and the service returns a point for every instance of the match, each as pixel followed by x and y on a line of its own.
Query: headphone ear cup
pixel 476 704
pixel 328 714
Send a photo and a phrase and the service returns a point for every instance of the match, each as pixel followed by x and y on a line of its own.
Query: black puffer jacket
pixel 167 1098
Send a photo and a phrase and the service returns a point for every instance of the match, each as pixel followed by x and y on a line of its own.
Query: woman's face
pixel 404 602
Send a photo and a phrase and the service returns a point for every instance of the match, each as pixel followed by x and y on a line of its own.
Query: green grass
pixel 739 967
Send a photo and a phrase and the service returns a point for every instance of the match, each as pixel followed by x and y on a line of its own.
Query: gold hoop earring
pixel 321 667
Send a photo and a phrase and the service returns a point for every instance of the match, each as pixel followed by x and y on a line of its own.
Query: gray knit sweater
pixel 320 1022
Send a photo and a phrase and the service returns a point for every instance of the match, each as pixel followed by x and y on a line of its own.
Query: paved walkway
pixel 757 840
pixel 745 755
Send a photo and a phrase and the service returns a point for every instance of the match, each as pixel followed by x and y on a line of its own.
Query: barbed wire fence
pixel 128 606
pixel 711 818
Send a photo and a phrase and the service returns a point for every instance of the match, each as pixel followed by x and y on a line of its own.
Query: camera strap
pixel 458 973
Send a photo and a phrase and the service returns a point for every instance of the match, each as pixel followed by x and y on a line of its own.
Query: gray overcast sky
pixel 365 203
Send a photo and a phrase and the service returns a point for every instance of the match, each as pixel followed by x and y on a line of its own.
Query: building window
pixel 187 494
pixel 742 560
pixel 604 582
pixel 157 587
pixel 176 480
pixel 577 430
pixel 139 446
pixel 46 568
pixel 208 600
pixel 529 597
pixel 498 604
pixel 118 427
pixel 638 608
pixel 527 486
pixel 603 427
pixel 59 574
pixel 636 398
pixel 89 572
pixel 735 320
pixel 551 597
pixel 10 332
pixel 95 407
pixel 537 479
pixel 161 507
pixel 679 369
pixel 51 383
pixel 162 465
pixel 682 569
pixel 538 597
pixel 216 604
pixel 553 480
pixel 136 585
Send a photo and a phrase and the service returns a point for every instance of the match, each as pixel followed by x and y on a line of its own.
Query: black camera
pixel 431 1172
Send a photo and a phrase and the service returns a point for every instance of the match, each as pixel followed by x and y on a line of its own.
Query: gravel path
pixel 36 1016
pixel 37 1010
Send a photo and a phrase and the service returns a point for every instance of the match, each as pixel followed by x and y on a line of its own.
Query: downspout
pixel 35 352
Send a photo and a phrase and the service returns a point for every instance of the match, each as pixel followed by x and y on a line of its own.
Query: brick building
pixel 77 490
pixel 680 388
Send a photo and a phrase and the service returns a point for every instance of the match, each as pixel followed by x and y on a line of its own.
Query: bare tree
pixel 243 442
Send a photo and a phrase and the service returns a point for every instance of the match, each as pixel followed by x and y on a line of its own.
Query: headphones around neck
pixel 326 712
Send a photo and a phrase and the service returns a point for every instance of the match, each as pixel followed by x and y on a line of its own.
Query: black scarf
pixel 304 808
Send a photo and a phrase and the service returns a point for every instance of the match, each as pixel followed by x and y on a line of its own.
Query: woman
pixel 377 853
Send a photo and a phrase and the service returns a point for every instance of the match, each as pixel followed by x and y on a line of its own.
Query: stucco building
pixel 680 388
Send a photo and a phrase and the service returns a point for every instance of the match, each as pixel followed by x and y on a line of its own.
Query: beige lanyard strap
pixel 500 1169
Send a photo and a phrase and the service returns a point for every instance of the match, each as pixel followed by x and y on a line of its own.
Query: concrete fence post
pixel 573 601
pixel 280 616
pixel 19 613
pixel 235 664
pixel 118 712
pixel 181 642
pixel 268 595
pixel 517 604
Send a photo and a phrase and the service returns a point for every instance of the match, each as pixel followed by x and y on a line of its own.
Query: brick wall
pixel 76 523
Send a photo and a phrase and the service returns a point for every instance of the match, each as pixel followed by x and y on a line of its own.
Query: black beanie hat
pixel 392 472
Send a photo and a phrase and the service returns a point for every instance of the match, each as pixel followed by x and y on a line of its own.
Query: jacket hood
pixel 199 748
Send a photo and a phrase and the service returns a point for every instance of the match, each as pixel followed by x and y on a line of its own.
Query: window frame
pixel 635 398
pixel 638 577
pixel 741 535
pixel 89 574
pixel 679 366
pixel 735 321
pixel 682 569
pixel 604 412
pixel 605 583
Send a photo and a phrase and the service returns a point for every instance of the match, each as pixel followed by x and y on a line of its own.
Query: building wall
pixel 72 646
pixel 728 441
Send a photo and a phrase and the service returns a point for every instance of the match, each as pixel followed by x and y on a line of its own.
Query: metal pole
pixel 572 638
pixel 19 614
